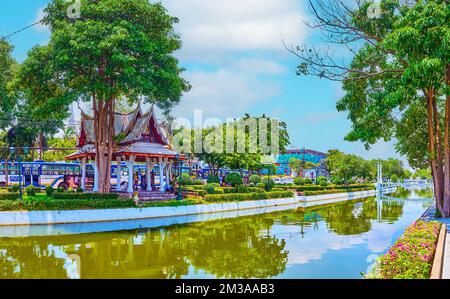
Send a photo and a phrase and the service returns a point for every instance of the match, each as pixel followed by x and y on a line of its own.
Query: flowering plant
pixel 411 257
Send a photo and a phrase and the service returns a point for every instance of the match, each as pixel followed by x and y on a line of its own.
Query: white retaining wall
pixel 90 216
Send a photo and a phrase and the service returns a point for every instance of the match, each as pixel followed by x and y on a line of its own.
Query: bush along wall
pixel 58 195
pixel 411 257
pixel 247 196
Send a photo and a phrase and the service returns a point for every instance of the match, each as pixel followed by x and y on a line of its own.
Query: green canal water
pixel 334 241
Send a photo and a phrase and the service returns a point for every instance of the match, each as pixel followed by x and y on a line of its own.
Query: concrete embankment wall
pixel 91 216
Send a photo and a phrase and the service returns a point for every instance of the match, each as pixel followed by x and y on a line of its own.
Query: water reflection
pixel 294 243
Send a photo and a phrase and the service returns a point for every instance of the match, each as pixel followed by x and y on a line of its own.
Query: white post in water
pixel 379 178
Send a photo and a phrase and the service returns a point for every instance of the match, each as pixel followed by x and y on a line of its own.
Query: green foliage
pixel 79 190
pixel 308 181
pixel 198 182
pixel 323 183
pixel 248 196
pixel 299 166
pixel 424 174
pixel 14 188
pixel 89 196
pixel 51 204
pixel 299 181
pixel 411 257
pixel 173 203
pixel 186 179
pixel 31 190
pixel 255 179
pixel 268 184
pixel 234 179
pixel 49 191
pixel 9 196
pixel 213 179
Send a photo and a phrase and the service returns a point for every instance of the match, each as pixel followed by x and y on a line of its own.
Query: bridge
pixel 387 187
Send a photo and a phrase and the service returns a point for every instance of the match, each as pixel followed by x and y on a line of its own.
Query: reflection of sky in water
pixel 322 253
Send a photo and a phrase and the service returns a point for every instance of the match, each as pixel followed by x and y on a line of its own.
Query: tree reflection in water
pixel 243 247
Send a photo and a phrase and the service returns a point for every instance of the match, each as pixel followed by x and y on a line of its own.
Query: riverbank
pixel 26 218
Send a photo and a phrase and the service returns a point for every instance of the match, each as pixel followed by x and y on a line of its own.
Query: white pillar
pixel 83 174
pixel 119 174
pixel 150 165
pixel 161 175
pixel 130 165
pixel 95 189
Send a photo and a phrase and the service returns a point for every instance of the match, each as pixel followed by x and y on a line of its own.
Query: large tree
pixel 399 71
pixel 115 49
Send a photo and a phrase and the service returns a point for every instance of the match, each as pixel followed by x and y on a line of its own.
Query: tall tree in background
pixel 8 67
pixel 400 71
pixel 116 48
pixel 43 100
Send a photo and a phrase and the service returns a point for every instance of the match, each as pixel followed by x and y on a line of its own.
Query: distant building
pixel 306 155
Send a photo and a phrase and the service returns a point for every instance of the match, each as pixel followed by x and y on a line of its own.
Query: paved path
pixel 446 272
pixel 429 216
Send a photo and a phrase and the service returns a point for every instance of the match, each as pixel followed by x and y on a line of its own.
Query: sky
pixel 236 62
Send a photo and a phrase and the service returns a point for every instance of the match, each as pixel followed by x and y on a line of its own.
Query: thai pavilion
pixel 142 140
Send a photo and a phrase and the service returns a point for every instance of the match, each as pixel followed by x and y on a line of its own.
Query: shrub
pixel 308 181
pixel 61 189
pixel 244 189
pixel 213 179
pixel 411 257
pixel 88 196
pixel 9 196
pixel 254 179
pixel 49 190
pixel 323 183
pixel 299 181
pixel 14 188
pixel 186 179
pixel 252 185
pixel 268 184
pixel 248 196
pixel 80 190
pixel 31 191
pixel 234 179
pixel 198 182
pixel 61 204
pixel 209 189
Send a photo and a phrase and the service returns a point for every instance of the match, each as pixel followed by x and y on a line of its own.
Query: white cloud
pixel 257 65
pixel 223 93
pixel 39 16
pixel 237 25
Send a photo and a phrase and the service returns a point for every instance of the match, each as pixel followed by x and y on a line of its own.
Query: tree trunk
pixel 446 206
pixel 104 136
pixel 41 145
pixel 437 175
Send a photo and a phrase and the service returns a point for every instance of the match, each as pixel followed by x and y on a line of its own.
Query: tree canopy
pixel 397 80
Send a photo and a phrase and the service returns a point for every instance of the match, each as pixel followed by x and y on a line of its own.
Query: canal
pixel 334 241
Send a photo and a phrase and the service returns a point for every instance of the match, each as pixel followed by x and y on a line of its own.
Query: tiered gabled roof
pixel 141 135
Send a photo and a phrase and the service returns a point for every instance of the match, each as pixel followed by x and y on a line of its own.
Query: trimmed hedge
pixel 333 191
pixel 80 196
pixel 248 196
pixel 9 196
pixel 62 204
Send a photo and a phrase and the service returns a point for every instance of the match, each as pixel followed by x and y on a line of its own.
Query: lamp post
pixel 19 160
pixel 179 195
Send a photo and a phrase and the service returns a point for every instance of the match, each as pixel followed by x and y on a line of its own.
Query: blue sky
pixel 236 62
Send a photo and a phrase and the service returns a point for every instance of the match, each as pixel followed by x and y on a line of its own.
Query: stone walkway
pixel 429 215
